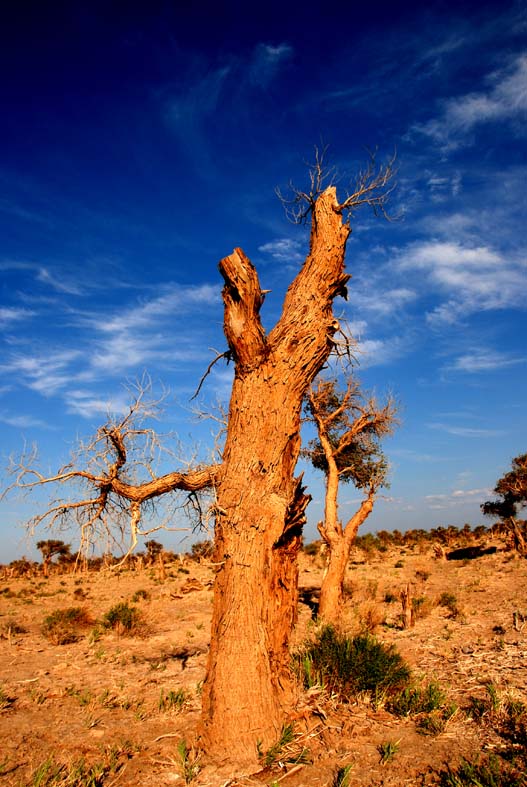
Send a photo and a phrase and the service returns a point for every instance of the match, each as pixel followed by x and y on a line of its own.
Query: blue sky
pixel 140 143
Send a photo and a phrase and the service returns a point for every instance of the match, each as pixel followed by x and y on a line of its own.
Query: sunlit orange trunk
pixel 260 504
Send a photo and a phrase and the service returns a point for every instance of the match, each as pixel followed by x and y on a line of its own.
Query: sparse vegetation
pixel 123 619
pixel 350 666
pixel 66 625
pixel 286 749
pixel 388 750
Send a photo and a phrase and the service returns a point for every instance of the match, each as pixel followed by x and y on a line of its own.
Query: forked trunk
pixel 260 504
pixel 339 542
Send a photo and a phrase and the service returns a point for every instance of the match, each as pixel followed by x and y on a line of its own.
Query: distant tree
pixel 511 490
pixel 347 448
pixel 153 550
pixel 49 549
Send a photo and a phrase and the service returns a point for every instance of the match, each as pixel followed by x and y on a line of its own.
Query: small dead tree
pixel 347 449
pixel 259 504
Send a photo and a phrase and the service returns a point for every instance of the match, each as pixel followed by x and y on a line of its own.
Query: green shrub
pixel 122 618
pixel 348 667
pixel 66 625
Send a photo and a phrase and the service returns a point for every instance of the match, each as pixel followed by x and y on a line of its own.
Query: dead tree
pixel 349 427
pixel 259 503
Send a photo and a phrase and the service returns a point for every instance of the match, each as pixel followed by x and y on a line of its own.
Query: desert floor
pixel 125 703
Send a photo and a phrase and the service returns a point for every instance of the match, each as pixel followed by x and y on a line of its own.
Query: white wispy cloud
pixel 466 431
pixel 58 281
pixel 87 404
pixel 456 498
pixel 10 315
pixel 382 302
pixel 23 421
pixel 503 98
pixel 485 360
pixel 285 250
pixel 477 278
pixel 177 300
pixel 47 373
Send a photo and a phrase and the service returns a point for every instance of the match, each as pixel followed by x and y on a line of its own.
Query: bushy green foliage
pixel 123 618
pixel 349 666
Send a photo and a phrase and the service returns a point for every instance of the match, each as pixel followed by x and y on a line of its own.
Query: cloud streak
pixel 504 99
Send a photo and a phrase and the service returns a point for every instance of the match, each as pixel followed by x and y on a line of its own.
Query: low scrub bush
pixel 350 666
pixel 123 619
pixel 66 625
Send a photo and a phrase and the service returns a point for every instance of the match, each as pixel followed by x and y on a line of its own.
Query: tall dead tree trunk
pixel 260 505
pixel 248 687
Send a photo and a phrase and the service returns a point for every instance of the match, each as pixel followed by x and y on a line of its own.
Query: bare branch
pixel 111 481
pixel 373 187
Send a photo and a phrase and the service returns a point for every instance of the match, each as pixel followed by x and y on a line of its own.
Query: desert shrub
pixel 66 625
pixel 312 549
pixel 140 594
pixel 421 607
pixel 10 628
pixel 371 616
pixel 349 666
pixel 449 600
pixel 122 618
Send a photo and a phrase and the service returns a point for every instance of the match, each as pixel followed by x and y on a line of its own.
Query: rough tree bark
pixel 260 513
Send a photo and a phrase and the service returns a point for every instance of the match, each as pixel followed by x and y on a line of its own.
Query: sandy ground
pixel 136 698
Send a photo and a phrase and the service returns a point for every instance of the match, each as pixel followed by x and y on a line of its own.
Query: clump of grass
pixel 427 703
pixel 173 700
pixel 342 776
pixel 486 772
pixel 350 666
pixel 286 749
pixel 66 625
pixel 123 619
pixel 79 773
pixel 189 761
pixel 412 700
pixel 388 750
pixel 5 700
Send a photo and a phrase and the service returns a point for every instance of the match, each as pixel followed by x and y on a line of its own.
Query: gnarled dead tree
pixel 259 503
pixel 347 448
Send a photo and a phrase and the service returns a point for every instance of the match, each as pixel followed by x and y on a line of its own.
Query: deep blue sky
pixel 139 143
